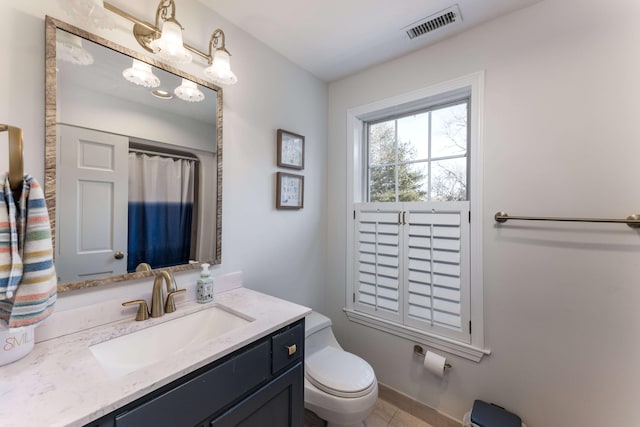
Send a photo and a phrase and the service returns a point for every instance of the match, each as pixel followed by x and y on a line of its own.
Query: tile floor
pixel 384 415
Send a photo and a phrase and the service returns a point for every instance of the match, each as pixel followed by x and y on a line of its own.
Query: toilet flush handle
pixel 292 349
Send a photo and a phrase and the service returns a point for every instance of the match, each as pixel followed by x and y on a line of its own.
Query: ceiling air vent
pixel 431 23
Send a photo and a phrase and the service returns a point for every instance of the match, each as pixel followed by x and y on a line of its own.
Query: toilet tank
pixel 314 322
pixel 318 333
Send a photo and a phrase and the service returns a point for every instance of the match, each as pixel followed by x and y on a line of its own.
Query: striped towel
pixel 10 260
pixel 36 292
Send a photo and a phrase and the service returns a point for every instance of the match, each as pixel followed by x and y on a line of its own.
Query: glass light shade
pixel 69 48
pixel 219 71
pixel 169 46
pixel 90 13
pixel 188 91
pixel 141 74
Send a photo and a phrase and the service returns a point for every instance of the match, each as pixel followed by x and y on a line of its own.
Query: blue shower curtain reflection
pixel 161 194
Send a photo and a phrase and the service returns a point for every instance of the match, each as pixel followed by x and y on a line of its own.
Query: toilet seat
pixel 339 373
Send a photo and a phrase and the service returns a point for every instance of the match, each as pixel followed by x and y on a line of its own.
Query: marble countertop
pixel 60 383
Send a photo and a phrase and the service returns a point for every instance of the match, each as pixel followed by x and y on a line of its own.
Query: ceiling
pixel 335 38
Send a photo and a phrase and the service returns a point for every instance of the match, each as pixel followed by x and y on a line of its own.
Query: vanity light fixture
pixel 219 69
pixel 90 13
pixel 141 74
pixel 69 48
pixel 188 91
pixel 168 44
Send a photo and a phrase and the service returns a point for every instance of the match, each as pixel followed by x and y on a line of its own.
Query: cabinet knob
pixel 292 349
pixel 118 255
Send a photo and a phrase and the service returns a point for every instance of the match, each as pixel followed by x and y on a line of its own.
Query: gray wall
pixel 282 253
pixel 560 139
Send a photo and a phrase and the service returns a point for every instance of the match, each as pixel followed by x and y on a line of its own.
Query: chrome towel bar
pixel 632 221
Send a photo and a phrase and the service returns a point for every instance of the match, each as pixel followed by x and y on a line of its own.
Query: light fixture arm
pixel 162 13
pixel 216 37
pixel 146 33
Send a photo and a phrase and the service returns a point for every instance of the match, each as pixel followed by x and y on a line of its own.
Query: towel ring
pixel 16 166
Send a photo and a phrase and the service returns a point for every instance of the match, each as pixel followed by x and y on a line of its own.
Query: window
pixel 419 156
pixel 414 245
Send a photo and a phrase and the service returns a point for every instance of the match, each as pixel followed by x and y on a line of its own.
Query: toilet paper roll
pixel 434 363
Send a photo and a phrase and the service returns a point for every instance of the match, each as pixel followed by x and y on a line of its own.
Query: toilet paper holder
pixel 417 349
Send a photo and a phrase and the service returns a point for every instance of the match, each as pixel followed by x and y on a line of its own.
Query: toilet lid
pixel 339 373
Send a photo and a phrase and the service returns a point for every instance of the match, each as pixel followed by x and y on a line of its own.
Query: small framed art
pixel 290 191
pixel 290 150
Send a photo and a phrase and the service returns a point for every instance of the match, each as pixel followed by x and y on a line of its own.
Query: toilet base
pixel 360 424
pixel 338 411
pixel 338 424
pixel 311 419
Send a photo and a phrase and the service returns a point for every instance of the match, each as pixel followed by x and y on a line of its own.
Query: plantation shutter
pixel 378 259
pixel 412 265
pixel 436 266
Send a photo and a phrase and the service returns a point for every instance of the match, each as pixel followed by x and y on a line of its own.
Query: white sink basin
pixel 128 353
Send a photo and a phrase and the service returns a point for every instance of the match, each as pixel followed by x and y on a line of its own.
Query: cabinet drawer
pixel 287 347
pixel 193 401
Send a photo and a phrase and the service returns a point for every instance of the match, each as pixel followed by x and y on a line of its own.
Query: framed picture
pixel 290 150
pixel 290 191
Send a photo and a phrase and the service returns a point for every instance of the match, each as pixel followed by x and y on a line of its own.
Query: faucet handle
pixel 143 311
pixel 170 305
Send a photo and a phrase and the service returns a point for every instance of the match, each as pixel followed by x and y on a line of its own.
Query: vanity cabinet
pixel 262 384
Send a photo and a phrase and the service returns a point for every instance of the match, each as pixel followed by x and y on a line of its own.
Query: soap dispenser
pixel 204 289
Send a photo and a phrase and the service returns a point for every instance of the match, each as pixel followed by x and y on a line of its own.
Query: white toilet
pixel 339 387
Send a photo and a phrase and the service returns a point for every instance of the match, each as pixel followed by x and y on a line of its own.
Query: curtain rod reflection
pixel 161 154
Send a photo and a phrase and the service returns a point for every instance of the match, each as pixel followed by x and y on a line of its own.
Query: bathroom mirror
pixel 132 175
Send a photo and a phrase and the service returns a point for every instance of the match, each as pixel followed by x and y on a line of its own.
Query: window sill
pixel 451 346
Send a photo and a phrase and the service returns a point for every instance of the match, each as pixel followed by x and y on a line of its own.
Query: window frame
pixel 472 86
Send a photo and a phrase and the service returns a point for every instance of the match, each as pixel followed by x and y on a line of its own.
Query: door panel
pixel 91 219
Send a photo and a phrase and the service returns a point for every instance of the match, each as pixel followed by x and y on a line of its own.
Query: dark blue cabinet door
pixel 278 404
pixel 191 402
